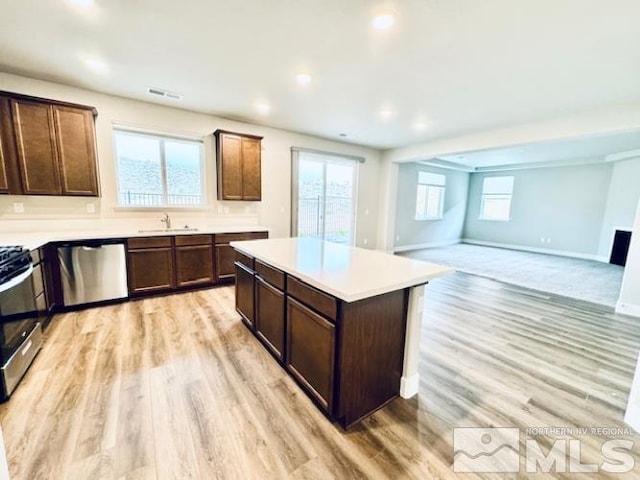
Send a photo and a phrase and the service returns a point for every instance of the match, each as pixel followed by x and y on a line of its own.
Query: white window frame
pixel 428 182
pixel 325 158
pixel 503 191
pixel 162 136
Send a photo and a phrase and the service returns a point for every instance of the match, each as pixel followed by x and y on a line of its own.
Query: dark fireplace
pixel 620 248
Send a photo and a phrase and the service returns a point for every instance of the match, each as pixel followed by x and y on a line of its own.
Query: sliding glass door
pixel 324 196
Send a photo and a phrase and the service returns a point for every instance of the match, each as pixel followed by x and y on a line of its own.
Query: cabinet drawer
pixel 237 237
pixel 319 301
pixel 245 260
pixel 193 240
pixel 271 275
pixel 148 242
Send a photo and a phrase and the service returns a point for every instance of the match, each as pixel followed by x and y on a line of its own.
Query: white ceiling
pixel 596 148
pixel 459 65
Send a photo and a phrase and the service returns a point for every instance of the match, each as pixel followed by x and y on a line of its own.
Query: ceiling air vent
pixel 164 93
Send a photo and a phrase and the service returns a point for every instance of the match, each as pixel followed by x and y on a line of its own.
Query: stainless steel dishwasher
pixel 92 271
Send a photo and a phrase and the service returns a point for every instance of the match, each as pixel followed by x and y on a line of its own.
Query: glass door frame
pixel 295 167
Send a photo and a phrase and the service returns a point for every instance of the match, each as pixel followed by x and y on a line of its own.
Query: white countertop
pixel 33 240
pixel 348 273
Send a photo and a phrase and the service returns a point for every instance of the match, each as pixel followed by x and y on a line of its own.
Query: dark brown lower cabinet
pixel 270 315
pixel 150 270
pixel 225 256
pixel 194 265
pixel 245 294
pixel 311 352
pixel 347 356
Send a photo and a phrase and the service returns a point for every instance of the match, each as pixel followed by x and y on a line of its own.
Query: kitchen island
pixel 343 321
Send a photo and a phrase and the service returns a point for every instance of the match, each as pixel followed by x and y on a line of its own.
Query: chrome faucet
pixel 166 220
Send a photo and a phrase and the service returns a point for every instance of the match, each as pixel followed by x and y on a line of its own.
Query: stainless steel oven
pixel 20 330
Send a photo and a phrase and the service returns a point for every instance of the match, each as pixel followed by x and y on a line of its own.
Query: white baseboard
pixel 628 309
pixel 548 251
pixel 409 386
pixel 419 246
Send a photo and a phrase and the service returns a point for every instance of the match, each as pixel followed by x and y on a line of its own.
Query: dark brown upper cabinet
pixel 238 166
pixel 48 147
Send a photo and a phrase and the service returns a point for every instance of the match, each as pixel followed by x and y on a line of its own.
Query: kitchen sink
pixel 169 230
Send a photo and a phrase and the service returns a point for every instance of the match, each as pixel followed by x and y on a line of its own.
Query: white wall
pixel 563 205
pixel 594 122
pixel 624 193
pixel 629 301
pixel 273 212
pixel 412 233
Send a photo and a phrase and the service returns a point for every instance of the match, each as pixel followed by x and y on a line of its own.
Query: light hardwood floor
pixel 176 387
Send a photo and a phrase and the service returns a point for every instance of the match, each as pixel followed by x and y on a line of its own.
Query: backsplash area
pixel 53 214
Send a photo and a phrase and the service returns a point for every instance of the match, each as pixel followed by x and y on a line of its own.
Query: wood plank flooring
pixel 176 387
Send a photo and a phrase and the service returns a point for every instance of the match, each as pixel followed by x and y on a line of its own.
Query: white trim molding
pixel 628 309
pixel 420 246
pixel 547 251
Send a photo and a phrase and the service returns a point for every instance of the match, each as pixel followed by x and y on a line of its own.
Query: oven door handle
pixel 16 280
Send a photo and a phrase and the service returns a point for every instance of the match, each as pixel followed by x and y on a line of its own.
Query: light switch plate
pixel 91 208
pixel 18 207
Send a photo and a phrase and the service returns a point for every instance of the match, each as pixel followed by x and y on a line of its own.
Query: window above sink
pixel 159 171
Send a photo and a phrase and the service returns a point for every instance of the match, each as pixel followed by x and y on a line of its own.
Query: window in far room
pixel 430 196
pixel 159 171
pixel 496 198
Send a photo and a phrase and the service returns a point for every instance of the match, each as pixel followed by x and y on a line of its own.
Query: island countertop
pixel 347 273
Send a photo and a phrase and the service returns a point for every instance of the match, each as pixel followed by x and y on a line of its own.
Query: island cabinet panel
pixel 245 294
pixel 320 301
pixel 270 317
pixel 311 352
pixel 372 333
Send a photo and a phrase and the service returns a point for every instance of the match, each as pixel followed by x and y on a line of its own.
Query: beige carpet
pixel 588 280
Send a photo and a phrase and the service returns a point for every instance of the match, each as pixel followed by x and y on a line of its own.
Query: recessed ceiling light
pixel 384 21
pixel 263 107
pixel 96 65
pixel 386 113
pixel 420 125
pixel 303 79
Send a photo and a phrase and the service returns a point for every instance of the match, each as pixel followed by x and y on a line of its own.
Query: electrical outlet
pixel 91 208
pixel 281 209
pixel 366 211
pixel 18 207
pixel 548 240
pixel 226 210
pixel 220 210
pixel 365 241
pixel 397 238
pixel 247 209
pixel 542 240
